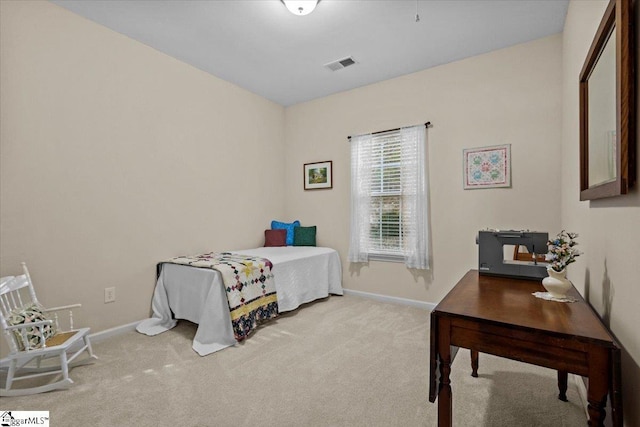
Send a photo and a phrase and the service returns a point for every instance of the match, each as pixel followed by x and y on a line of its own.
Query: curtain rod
pixel 427 125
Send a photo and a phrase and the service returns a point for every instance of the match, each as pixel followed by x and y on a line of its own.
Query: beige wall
pixel 511 96
pixel 115 156
pixel 608 273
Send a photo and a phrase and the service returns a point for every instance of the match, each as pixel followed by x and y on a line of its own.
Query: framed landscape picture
pixel 487 167
pixel 318 175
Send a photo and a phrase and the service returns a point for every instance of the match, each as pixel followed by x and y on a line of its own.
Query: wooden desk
pixel 499 316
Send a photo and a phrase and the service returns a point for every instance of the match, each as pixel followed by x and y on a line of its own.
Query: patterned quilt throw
pixel 250 287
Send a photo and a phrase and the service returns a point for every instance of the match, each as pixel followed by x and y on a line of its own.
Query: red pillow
pixel 275 237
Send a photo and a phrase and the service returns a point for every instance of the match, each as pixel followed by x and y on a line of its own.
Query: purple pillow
pixel 275 237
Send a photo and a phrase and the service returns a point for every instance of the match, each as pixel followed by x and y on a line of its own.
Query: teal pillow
pixel 289 226
pixel 304 236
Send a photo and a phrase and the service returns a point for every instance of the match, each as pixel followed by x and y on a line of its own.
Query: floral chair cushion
pixel 29 314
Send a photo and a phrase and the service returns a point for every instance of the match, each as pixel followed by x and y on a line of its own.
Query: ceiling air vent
pixel 340 64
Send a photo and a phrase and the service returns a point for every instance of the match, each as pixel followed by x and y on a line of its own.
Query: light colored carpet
pixel 343 361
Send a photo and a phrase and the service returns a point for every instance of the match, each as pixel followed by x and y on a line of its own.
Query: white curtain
pixel 360 198
pixel 415 197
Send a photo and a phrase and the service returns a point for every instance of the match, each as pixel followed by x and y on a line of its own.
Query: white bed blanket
pixel 302 274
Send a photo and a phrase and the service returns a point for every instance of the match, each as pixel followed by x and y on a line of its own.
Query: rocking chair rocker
pixel 34 337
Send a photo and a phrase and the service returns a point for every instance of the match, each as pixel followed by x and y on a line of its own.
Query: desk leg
pixel 563 377
pixel 598 384
pixel 474 363
pixel 444 388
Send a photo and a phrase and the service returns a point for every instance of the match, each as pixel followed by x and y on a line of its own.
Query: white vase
pixel 557 283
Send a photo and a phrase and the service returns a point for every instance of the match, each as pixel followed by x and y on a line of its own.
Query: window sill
pixel 386 257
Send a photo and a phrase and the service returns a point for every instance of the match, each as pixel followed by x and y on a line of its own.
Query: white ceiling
pixel 260 46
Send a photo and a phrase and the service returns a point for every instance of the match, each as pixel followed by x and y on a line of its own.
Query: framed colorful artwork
pixel 487 167
pixel 318 175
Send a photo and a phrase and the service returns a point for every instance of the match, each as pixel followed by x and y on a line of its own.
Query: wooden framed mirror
pixel 607 108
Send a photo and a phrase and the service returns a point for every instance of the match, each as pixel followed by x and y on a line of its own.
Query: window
pixel 389 197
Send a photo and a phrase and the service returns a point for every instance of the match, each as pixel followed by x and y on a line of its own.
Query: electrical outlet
pixel 109 295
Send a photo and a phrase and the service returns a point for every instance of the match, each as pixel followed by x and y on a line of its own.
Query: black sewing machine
pixel 494 260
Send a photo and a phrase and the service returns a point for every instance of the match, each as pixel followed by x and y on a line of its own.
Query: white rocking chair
pixel 33 333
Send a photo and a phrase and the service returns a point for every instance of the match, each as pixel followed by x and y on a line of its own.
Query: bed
pixel 301 273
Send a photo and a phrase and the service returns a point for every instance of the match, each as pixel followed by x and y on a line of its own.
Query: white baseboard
pixel 394 300
pixel 582 393
pixel 97 337
pixel 118 330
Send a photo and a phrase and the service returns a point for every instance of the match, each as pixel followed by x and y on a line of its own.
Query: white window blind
pixel 389 197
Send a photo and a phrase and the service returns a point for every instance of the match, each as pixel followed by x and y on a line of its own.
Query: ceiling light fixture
pixel 300 7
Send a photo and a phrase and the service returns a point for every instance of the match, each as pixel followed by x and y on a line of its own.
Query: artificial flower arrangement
pixel 562 250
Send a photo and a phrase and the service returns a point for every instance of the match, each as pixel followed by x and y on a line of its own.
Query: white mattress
pixel 301 273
